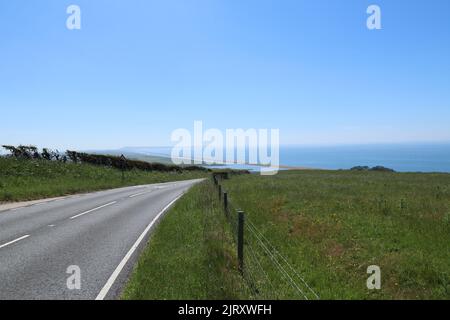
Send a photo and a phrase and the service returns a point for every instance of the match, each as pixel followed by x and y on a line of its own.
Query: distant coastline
pixel 402 157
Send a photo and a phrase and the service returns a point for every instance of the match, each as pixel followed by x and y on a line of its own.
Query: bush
pixel 376 168
pixel 360 168
pixel 382 169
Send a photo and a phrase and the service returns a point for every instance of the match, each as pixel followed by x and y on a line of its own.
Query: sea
pixel 406 157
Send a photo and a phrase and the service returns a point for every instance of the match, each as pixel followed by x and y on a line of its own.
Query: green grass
pixel 191 255
pixel 29 180
pixel 330 226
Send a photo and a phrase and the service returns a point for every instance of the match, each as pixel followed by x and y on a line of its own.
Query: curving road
pixel 45 246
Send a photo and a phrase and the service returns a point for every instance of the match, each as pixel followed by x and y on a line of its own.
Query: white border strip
pixel 127 257
pixel 14 241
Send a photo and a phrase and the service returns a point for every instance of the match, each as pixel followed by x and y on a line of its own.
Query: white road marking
pixel 15 209
pixel 89 211
pixel 51 225
pixel 14 241
pixel 127 257
pixel 139 194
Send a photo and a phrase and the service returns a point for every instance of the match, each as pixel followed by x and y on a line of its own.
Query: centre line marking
pixel 89 211
pixel 14 241
pixel 102 294
pixel 139 194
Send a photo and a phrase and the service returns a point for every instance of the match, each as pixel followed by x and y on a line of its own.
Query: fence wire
pixel 267 272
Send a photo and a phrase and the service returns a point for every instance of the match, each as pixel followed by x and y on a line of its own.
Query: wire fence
pixel 266 271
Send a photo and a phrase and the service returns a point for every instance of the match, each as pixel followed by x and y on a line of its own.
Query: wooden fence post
pixel 225 202
pixel 241 241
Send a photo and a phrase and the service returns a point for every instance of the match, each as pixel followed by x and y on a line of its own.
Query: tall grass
pixel 331 225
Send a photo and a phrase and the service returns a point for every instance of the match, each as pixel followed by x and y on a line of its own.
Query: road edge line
pixel 104 291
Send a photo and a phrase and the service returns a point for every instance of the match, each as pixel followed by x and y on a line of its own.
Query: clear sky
pixel 137 70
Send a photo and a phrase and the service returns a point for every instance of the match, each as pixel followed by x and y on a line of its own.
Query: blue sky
pixel 137 70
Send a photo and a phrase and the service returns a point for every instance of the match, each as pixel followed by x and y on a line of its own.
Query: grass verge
pixel 191 254
pixel 36 179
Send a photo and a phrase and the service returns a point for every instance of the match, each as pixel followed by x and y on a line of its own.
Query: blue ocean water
pixel 426 157
pixel 400 157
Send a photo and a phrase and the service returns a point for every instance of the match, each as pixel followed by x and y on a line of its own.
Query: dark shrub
pixel 360 168
pixel 382 169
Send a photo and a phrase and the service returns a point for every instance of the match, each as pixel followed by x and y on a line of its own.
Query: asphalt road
pixel 43 245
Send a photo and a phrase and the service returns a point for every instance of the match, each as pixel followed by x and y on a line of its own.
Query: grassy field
pixel 28 180
pixel 190 255
pixel 329 225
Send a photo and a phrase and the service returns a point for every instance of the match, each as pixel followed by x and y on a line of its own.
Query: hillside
pixel 25 179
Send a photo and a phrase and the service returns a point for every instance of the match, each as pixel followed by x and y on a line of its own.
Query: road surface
pixel 45 246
